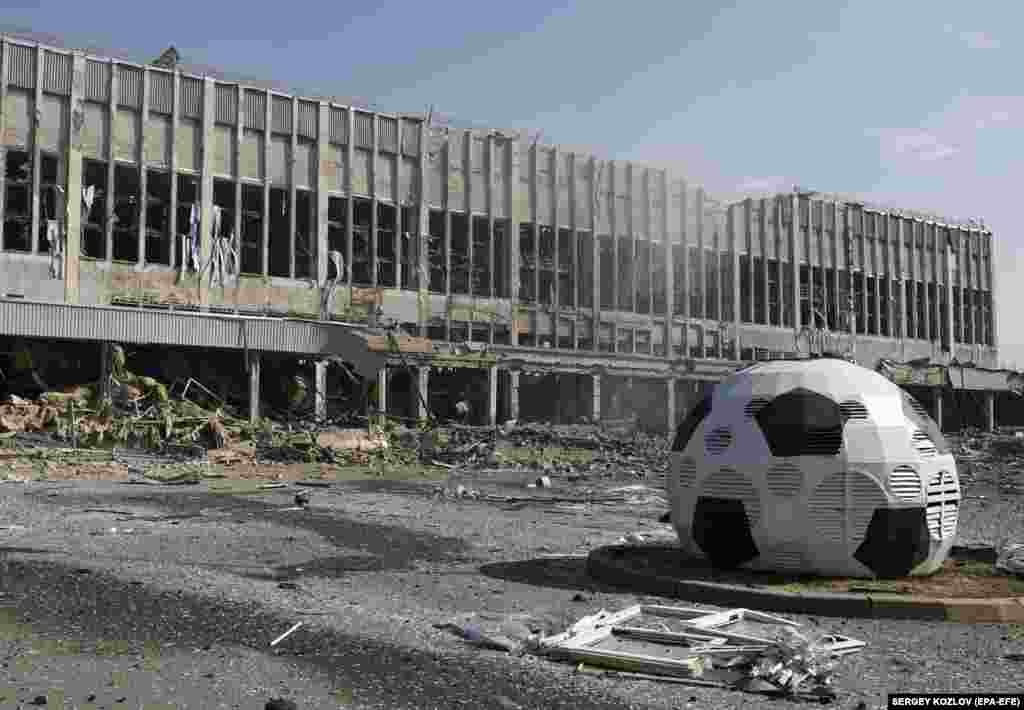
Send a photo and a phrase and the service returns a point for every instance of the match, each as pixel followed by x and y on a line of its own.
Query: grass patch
pixel 537 455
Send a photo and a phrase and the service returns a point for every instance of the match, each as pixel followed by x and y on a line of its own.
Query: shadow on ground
pixel 56 602
pixel 552 572
pixel 391 547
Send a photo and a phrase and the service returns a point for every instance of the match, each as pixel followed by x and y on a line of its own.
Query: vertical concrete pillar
pixel 990 411
pixel 513 394
pixel 595 406
pixel 320 388
pixel 253 366
pixel 104 393
pixel 938 407
pixel 670 405
pixel 382 391
pixel 492 395
pixel 73 197
pixel 420 392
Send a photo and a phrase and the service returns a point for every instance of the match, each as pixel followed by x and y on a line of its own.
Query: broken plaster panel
pixel 499 173
pixel 187 139
pixel 55 124
pixel 480 311
pixel 124 282
pixel 18 117
pixel 279 168
pixel 305 160
pixel 408 181
pixel 582 194
pixel 158 140
pixel 252 155
pixel 332 169
pixel 126 135
pixel 361 160
pixel 384 179
pixel 94 133
pixel 223 150
pixel 399 305
pixel 28 276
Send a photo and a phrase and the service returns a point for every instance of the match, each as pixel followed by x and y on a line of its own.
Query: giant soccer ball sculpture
pixel 817 466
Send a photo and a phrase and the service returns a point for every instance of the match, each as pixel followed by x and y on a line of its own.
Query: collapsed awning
pixel 61 321
pixel 957 377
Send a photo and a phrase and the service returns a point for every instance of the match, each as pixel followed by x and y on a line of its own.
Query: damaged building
pixel 256 231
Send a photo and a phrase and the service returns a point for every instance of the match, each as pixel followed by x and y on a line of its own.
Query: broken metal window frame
pixel 126 212
pixel 94 216
pixel 17 182
pixel 250 242
pixel 158 240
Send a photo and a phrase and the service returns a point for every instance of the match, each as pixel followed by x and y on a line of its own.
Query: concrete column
pixel 382 391
pixel 990 411
pixel 104 393
pixel 421 391
pixel 492 395
pixel 938 407
pixel 513 394
pixel 320 388
pixel 253 365
pixel 670 405
pixel 73 196
pixel 595 407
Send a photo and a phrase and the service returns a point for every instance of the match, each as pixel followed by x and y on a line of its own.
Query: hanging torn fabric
pixel 193 235
pixel 56 248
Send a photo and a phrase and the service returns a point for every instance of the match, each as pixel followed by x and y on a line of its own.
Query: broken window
pixel 696 295
pixel 386 227
pixel 158 204
pixel 606 343
pixel 659 282
pixel 625 340
pixel 585 273
pixel 678 280
pixel 760 304
pixel 280 228
pixel 500 260
pixel 872 301
pixel 94 219
pixel 305 235
pixel 436 252
pixel 362 214
pixel 788 307
pixel 566 339
pixel 547 266
pixel 410 241
pixel 745 289
pixel 607 282
pixel 460 253
pixel 481 257
pixel 711 279
pixel 884 306
pixel 726 277
pixel 773 316
pixel 51 196
pixel 832 309
pixel 643 276
pixel 436 330
pixel 502 334
pixel 943 311
pixel 224 198
pixel 527 263
pixel 251 242
pixel 933 318
pixel 584 335
pixel 958 333
pixel 921 315
pixel 18 202
pixel 696 340
pixel 626 276
pixel 806 296
pixel 127 206
pixel 643 342
pixel 566 269
pixel 908 300
pixel 459 331
pixel 480 332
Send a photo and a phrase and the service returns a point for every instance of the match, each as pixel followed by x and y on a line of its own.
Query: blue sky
pixel 906 103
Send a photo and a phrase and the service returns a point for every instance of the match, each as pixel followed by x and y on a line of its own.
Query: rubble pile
pixel 990 458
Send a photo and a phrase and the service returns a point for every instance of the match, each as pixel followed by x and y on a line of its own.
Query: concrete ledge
pixel 608 565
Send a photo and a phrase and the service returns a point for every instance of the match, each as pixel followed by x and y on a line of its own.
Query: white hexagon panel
pixel 817 466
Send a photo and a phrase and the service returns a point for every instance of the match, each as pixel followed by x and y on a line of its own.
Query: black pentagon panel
pixel 896 542
pixel 802 423
pixel 689 425
pixel 915 412
pixel 722 531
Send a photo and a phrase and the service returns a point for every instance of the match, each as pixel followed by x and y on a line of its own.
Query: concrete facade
pixel 508 254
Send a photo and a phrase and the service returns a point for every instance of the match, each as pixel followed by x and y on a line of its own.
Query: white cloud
pixel 764 185
pixel 920 146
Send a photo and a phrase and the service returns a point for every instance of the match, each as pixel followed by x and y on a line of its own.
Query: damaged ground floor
pixel 294 369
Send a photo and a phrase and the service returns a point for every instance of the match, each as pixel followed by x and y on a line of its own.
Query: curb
pixel 606 564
